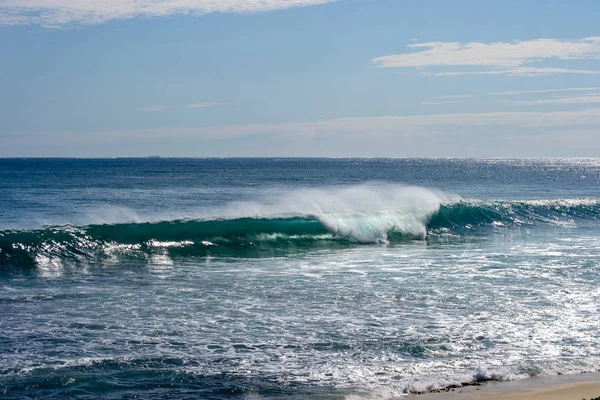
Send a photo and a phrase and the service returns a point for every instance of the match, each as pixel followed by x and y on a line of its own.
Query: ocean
pixel 294 278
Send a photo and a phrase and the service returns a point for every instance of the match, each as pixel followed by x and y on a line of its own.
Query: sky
pixel 299 78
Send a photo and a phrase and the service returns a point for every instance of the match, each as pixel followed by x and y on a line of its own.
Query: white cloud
pixel 589 98
pixel 60 13
pixel 592 98
pixel 521 71
pixel 499 54
pixel 500 58
pixel 509 93
pixel 515 93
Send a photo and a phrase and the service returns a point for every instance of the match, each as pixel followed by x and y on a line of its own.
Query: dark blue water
pixel 306 278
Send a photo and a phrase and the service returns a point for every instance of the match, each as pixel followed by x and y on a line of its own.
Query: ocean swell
pixel 258 236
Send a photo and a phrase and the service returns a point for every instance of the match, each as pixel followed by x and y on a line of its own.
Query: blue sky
pixel 346 78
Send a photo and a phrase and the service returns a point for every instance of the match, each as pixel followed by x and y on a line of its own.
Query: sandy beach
pixel 561 387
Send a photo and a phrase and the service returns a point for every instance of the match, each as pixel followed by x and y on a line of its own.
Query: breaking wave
pixel 265 236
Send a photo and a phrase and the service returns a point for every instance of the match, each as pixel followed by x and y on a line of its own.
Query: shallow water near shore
pixel 294 278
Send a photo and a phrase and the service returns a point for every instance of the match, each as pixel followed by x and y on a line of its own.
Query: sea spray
pixel 342 199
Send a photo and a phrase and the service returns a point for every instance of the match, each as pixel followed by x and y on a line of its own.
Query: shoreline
pixel 554 387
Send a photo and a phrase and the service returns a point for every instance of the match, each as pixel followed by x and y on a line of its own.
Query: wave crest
pixel 266 236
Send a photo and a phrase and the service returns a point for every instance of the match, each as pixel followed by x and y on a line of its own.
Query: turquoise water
pixel 306 278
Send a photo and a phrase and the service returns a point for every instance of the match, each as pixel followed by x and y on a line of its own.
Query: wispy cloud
pixel 412 125
pixel 61 13
pixel 510 93
pixel 515 93
pixel 521 71
pixel 500 58
pixel 572 133
pixel 588 99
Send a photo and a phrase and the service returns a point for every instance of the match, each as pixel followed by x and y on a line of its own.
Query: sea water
pixel 294 278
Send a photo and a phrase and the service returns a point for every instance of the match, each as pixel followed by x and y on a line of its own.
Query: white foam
pixel 157 243
pixel 48 266
pixel 374 227
pixel 366 213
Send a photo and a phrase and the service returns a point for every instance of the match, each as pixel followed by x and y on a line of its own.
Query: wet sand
pixel 560 387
